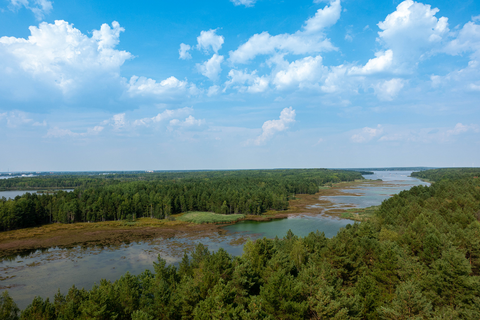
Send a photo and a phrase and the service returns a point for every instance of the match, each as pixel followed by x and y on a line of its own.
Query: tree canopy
pixel 417 258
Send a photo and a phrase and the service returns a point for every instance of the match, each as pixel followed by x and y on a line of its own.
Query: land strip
pixel 118 232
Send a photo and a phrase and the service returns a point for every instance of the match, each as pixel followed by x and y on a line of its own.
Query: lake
pixel 42 273
pixel 13 194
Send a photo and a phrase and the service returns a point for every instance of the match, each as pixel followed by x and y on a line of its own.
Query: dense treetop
pixel 417 258
pixel 159 195
pixel 447 173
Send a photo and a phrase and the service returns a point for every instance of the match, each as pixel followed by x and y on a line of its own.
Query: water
pixel 13 194
pixel 370 193
pixel 300 225
pixel 22 176
pixel 44 272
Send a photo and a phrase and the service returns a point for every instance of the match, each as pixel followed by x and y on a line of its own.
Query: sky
pixel 238 84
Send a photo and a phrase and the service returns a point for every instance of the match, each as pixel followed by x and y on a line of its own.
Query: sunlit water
pixel 42 273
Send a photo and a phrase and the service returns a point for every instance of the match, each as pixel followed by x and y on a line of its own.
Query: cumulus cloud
pixel 366 134
pixel 209 40
pixel 300 72
pixel 163 116
pixel 118 121
pixel 246 82
pixel 387 90
pixel 310 39
pixel 212 67
pixel 271 127
pixel 246 3
pixel 39 7
pixel 168 88
pixel 466 40
pixel 59 57
pixel 183 51
pixel 412 32
pixel 190 121
pixel 381 62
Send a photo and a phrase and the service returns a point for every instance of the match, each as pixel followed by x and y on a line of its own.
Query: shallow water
pixel 300 225
pixel 368 194
pixel 42 273
pixel 13 194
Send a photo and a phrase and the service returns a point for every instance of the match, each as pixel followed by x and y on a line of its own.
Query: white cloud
pixel 40 124
pixel 381 63
pixel 310 39
pixel 246 3
pixel 117 121
pixel 39 7
pixel 387 90
pixel 210 40
pixel 461 128
pixel 15 118
pixel 335 80
pixel 183 51
pixel 212 67
pixel 213 90
pixel 246 82
pixel 168 88
pixel 367 134
pixel 412 32
pixel 163 116
pixel 190 121
pixel 323 18
pixel 271 127
pixel 59 57
pixel 59 133
pixel 306 70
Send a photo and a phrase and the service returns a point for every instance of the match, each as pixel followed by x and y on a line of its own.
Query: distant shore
pixel 117 232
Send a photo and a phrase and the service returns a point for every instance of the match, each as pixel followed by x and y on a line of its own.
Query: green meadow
pixel 209 217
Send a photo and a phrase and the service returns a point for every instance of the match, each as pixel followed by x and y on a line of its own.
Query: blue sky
pixel 237 84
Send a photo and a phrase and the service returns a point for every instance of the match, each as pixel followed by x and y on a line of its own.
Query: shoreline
pixel 24 241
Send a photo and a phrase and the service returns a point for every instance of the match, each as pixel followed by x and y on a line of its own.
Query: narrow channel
pixel 42 273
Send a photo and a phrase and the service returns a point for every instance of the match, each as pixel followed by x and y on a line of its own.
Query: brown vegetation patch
pixel 113 233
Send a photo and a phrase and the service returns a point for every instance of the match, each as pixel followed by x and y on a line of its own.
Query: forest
pixel 159 195
pixel 417 258
pixel 447 173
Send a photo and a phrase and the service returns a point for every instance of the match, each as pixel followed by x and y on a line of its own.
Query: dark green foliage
pixel 447 173
pixel 417 258
pixel 160 195
pixel 8 307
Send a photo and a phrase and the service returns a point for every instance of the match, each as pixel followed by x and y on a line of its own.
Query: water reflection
pixel 43 272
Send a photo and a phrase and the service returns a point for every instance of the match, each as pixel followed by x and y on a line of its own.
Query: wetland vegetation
pixel 417 257
pixel 209 217
pixel 161 195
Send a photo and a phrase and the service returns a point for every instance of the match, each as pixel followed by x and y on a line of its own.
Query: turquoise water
pixel 42 273
pixel 300 226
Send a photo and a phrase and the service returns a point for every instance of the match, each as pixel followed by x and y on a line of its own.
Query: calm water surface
pixel 44 272
pixel 13 194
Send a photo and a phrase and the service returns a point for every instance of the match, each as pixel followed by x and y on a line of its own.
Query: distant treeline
pixel 76 180
pixel 417 258
pixel 163 194
pixel 393 169
pixel 447 173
